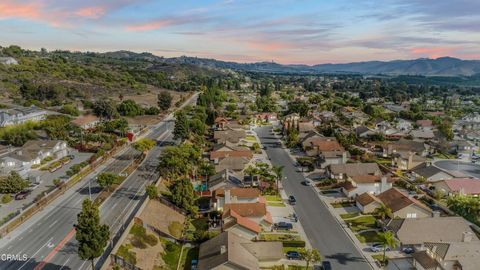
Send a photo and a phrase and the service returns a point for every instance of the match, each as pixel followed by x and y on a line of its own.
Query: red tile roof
pixel 323 145
pixel 246 209
pixel 239 192
pixel 245 222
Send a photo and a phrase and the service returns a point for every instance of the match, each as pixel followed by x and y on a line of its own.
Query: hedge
pixel 294 243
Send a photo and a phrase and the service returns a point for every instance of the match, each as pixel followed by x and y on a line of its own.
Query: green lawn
pixel 251 138
pixel 369 237
pixel 279 236
pixel 362 223
pixel 278 204
pixel 350 215
pixel 188 255
pixel 342 204
pixel 171 254
pixel 379 257
pixel 299 249
pixel 273 198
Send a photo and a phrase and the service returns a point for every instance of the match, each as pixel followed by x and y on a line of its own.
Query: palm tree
pixel 383 212
pixel 278 171
pixel 388 240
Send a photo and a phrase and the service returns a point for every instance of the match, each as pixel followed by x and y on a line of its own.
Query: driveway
pixel 467 168
pixel 323 231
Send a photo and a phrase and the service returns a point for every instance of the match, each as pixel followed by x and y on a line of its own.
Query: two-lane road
pixel 322 229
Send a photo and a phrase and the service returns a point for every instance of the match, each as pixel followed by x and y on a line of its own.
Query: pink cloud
pixel 433 52
pixel 268 46
pixel 9 9
pixel 91 12
pixel 154 25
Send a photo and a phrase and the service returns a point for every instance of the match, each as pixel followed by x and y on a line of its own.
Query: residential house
pixel 422 134
pixel 403 125
pixel 406 160
pixel 381 126
pixel 448 256
pixel 417 231
pixel 267 117
pixel 31 154
pixel 20 115
pixel 228 251
pixel 236 164
pixel 223 179
pixel 246 219
pixel 403 145
pixel 425 124
pixel 402 205
pixel 463 147
pixel 357 178
pixel 459 186
pixel 220 123
pixel 234 195
pixel 431 173
pixel 364 132
pixel 216 156
pixel 86 122
pixel 229 135
pixel 367 203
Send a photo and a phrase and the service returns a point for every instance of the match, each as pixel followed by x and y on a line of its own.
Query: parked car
pixel 307 183
pixel 408 250
pixel 283 226
pixel 23 195
pixel 293 255
pixel 123 174
pixel 326 265
pixel 378 248
pixel 194 265
pixel 292 200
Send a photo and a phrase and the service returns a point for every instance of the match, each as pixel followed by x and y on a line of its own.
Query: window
pixel 411 215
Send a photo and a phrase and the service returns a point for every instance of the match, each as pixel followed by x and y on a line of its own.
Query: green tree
pixel 278 171
pixel 164 100
pixel 105 108
pixel 151 191
pixel 106 179
pixel 197 126
pixel 144 145
pixel 129 108
pixel 183 195
pixel 92 236
pixel 311 256
pixel 12 183
pixel 181 129
pixel 383 212
pixel 176 161
pixel 388 240
pixel 70 109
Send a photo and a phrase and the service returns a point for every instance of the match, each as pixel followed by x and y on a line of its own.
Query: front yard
pixel 342 204
pixel 274 200
pixel 362 223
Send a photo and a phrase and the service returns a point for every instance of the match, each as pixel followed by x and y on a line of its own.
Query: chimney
pixel 227 196
pixel 223 249
pixel 436 214
pixel 467 237
pixel 383 183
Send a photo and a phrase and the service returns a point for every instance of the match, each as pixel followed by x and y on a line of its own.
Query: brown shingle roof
pixel 246 209
pixel 239 192
pixel 354 169
pixel 323 145
pixel 425 260
pixel 366 199
pixel 396 200
pixel 223 154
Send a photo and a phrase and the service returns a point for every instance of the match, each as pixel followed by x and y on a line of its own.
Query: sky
pixel 284 31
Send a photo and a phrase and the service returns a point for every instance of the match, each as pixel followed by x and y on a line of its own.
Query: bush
pixel 175 228
pixel 138 242
pixel 151 239
pixel 126 254
pixel 294 243
pixel 57 182
pixel 6 198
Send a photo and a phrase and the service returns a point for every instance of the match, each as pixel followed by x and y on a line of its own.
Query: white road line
pixel 35 253
pixel 63 265
pixel 81 266
pixel 53 223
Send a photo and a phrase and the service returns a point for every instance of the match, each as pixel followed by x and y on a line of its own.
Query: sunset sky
pixel 284 31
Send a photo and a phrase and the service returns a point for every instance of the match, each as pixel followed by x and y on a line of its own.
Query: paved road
pixel 48 238
pixel 467 168
pixel 323 231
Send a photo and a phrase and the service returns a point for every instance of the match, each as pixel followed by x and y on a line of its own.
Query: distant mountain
pixel 444 66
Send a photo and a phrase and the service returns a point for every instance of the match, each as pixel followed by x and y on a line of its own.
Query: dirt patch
pixel 144 120
pixel 160 216
pixel 149 98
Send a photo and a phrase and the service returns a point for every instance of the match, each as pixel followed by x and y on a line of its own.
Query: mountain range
pixel 444 66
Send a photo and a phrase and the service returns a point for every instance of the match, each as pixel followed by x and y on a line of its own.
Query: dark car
pixel 293 255
pixel 326 265
pixel 291 200
pixel 22 195
pixel 283 226
pixel 408 250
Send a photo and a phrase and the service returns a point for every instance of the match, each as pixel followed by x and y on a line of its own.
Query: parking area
pixel 46 183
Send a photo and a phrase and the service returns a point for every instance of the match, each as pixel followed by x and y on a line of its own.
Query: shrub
pixel 151 239
pixel 57 182
pixel 175 228
pixel 138 242
pixel 6 198
pixel 126 254
pixel 294 243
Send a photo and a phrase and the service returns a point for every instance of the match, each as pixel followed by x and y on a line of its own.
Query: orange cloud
pixel 90 12
pixel 433 52
pixel 149 26
pixel 268 45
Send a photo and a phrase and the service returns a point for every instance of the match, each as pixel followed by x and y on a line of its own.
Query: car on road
pixel 307 183
pixel 292 200
pixel 123 174
pixel 22 195
pixel 378 248
pixel 293 255
pixel 326 265
pixel 283 226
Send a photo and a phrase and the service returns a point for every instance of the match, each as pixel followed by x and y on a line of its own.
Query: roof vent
pixel 223 249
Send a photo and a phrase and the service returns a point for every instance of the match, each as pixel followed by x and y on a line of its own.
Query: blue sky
pixel 285 31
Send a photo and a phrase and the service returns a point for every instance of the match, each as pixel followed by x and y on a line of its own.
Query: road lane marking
pixel 35 253
pixel 63 265
pixel 53 223
pixel 56 249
